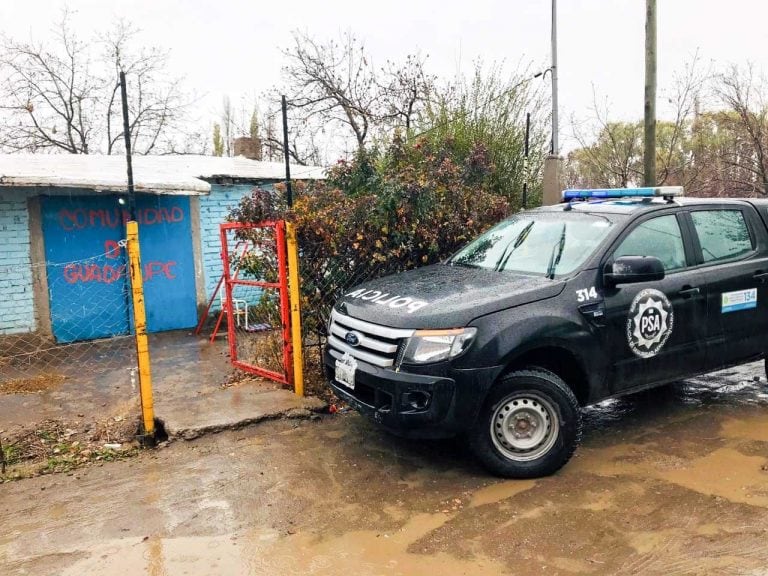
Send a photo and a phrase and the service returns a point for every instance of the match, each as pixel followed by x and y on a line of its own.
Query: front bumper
pixel 454 397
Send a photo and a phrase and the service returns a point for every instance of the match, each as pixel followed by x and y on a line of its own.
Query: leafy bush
pixel 488 110
pixel 381 212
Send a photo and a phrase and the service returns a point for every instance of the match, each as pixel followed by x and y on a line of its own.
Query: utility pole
pixel 137 287
pixel 551 187
pixel 649 155
pixel 127 138
pixel 288 190
pixel 555 128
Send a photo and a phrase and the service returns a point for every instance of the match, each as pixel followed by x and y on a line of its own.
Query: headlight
pixel 434 345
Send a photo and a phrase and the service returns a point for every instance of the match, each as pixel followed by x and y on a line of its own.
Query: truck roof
pixel 633 205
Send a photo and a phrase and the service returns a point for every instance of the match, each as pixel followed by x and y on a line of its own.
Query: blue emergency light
pixel 606 193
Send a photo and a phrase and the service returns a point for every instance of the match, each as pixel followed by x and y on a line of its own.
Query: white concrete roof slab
pixel 179 174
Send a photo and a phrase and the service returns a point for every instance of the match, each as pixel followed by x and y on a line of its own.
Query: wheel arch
pixel 559 360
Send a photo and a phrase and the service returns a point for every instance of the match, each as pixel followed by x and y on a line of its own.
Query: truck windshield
pixel 536 243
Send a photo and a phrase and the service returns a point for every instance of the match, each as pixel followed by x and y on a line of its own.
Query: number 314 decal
pixel 586 294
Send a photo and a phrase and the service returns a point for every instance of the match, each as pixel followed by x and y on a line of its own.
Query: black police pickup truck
pixel 611 292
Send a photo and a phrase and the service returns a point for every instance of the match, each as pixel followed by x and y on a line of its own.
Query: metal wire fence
pixel 325 277
pixel 258 328
pixel 255 312
pixel 77 326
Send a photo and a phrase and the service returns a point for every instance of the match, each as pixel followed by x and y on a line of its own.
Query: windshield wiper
pixel 519 239
pixel 557 253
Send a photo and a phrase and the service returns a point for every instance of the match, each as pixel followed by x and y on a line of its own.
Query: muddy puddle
pixel 673 481
pixel 267 552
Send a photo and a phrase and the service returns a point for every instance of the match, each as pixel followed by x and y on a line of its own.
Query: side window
pixel 659 237
pixel 723 234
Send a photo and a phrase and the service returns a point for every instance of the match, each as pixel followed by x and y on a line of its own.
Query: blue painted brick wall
pixel 17 309
pixel 214 209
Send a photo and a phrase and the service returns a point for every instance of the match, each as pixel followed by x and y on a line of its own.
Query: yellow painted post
pixel 295 305
pixel 140 327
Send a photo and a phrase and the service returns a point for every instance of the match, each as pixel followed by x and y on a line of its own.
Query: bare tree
pixel 676 161
pixel 303 140
pixel 743 92
pixel 65 96
pixel 228 125
pixel 611 154
pixel 333 81
pixel 334 88
pixel 271 143
pixel 404 90
pixel 156 102
pixel 50 96
pixel 181 142
pixel 242 120
pixel 610 158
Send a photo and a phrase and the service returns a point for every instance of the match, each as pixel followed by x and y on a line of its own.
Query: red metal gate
pixel 254 258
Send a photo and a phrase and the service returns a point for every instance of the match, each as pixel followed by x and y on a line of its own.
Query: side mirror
pixel 628 269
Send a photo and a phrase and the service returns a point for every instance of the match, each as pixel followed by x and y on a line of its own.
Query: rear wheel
pixel 529 426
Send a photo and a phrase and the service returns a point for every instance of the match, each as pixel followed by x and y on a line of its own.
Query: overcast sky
pixel 233 46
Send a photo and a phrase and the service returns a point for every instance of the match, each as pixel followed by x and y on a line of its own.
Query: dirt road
pixel 673 481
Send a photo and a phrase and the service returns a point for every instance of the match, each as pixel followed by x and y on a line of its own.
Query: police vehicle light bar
pixel 647 192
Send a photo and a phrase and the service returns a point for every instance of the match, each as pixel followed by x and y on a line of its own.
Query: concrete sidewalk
pixel 192 394
pixel 232 408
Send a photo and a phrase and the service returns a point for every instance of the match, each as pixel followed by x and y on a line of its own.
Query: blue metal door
pixel 87 284
pixel 86 269
pixel 165 235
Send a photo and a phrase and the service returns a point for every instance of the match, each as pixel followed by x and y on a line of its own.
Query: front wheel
pixel 529 426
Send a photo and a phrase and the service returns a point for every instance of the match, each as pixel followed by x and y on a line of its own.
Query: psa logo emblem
pixel 650 323
pixel 352 338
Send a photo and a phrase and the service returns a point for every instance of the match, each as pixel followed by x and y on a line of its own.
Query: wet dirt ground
pixel 99 381
pixel 99 376
pixel 672 481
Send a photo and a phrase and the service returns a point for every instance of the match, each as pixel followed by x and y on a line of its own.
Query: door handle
pixel 689 291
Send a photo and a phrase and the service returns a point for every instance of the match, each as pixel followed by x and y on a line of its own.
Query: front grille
pixel 377 345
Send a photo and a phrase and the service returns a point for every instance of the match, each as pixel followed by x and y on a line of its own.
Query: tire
pixel 547 420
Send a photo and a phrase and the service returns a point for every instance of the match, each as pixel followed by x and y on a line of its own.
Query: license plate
pixel 345 371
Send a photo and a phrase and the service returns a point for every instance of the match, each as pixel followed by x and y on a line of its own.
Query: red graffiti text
pixel 107 273
pixel 112 250
pixel 81 218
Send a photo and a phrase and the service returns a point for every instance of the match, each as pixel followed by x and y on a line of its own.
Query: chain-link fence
pixel 325 277
pixel 77 326
pixel 255 311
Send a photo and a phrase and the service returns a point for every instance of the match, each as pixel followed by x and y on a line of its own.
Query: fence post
pixel 285 311
pixel 140 329
pixel 227 305
pixel 295 300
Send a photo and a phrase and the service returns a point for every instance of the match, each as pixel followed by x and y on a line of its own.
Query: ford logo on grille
pixel 352 339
